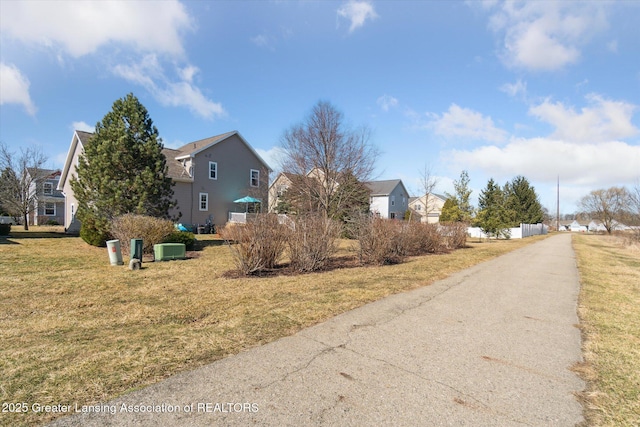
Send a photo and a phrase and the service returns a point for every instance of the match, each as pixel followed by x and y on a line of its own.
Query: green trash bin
pixel 136 249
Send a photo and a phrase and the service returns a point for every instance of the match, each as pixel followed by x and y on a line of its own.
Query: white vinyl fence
pixel 525 230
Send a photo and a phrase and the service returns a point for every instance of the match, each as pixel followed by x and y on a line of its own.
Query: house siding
pixel 71 224
pixel 234 163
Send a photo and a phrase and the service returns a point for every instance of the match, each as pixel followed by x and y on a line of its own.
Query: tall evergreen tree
pixel 522 202
pixel 493 216
pixel 122 170
pixel 450 211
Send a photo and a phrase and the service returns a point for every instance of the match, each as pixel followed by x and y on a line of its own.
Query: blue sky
pixel 540 89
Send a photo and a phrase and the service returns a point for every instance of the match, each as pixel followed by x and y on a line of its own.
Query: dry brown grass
pixel 610 314
pixel 75 330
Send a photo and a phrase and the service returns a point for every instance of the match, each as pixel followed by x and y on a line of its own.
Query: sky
pixel 543 89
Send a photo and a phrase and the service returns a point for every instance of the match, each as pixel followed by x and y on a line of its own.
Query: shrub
pixel 5 229
pixel 311 241
pixel 382 241
pixel 454 234
pixel 185 237
pixel 150 229
pixel 256 245
pixel 92 234
pixel 52 222
pixel 422 238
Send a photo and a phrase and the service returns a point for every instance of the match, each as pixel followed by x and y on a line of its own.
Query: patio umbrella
pixel 247 200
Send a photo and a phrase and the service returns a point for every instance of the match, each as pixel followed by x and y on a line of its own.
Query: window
pixel 213 170
pixel 50 209
pixel 418 207
pixel 393 200
pixel 48 188
pixel 255 178
pixel 204 201
pixel 392 215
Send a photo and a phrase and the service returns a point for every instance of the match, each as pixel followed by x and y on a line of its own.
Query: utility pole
pixel 558 206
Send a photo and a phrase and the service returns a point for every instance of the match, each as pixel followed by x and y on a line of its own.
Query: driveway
pixel 489 346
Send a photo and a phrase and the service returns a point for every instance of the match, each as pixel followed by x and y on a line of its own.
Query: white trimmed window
pixel 50 209
pixel 255 178
pixel 213 170
pixel 48 189
pixel 203 201
pixel 393 200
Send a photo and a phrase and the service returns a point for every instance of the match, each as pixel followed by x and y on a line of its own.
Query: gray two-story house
pixel 49 201
pixel 209 175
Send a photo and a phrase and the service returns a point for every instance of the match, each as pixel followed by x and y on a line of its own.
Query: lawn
pixel 75 330
pixel 610 318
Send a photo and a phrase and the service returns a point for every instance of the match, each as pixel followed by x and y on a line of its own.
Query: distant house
pixel 209 174
pixel 428 207
pixel 277 189
pixel 598 226
pixel 49 201
pixel 388 199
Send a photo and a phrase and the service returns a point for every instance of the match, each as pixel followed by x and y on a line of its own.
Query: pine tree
pixel 522 200
pixel 122 170
pixel 450 211
pixel 493 216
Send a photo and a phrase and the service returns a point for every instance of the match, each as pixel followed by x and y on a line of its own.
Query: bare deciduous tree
pixel 428 183
pixel 325 154
pixel 22 178
pixel 608 206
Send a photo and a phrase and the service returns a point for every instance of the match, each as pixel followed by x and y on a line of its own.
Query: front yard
pixel 75 330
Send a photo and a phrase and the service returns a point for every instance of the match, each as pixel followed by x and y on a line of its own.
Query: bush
pixel 185 237
pixel 256 245
pixel 382 241
pixel 92 234
pixel 455 234
pixel 5 229
pixel 422 238
pixel 311 242
pixel 150 229
pixel 52 222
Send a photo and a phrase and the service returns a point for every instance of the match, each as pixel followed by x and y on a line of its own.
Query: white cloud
pixel 150 74
pixel 518 88
pixel 272 156
pixel 543 159
pixel 81 28
pixel 466 123
pixel 357 12
pixel 546 36
pixel 83 126
pixel 603 120
pixel 386 102
pixel 612 46
pixel 15 88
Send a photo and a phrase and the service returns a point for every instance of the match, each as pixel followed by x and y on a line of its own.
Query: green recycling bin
pixel 136 249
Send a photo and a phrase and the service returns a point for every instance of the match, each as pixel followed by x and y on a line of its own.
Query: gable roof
pixel 78 137
pixel 384 188
pixel 193 148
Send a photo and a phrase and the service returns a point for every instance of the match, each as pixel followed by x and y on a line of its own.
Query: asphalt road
pixel 489 346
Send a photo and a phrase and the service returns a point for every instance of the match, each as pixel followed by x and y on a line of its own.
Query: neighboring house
pixel 209 175
pixel 49 201
pixel 278 187
pixel 388 199
pixel 427 207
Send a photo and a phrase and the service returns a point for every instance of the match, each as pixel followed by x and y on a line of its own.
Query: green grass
pixel 75 330
pixel 610 319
